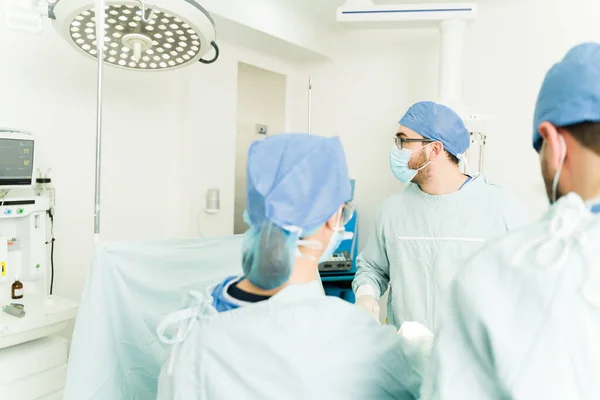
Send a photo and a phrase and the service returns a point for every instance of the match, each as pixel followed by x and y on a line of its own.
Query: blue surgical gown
pixel 522 320
pixel 420 240
pixel 299 344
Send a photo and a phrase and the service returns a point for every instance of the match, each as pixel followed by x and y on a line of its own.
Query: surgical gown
pixel 131 287
pixel 420 240
pixel 299 344
pixel 523 318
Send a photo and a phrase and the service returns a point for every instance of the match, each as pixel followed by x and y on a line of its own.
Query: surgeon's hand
pixel 417 334
pixel 369 303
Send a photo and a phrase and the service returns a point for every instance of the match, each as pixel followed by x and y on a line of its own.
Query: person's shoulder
pixel 501 197
pixel 344 314
pixel 404 194
pixel 314 320
pixel 501 265
pixel 493 189
pixel 320 307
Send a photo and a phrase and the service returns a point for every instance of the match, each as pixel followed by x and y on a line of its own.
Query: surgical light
pixel 161 36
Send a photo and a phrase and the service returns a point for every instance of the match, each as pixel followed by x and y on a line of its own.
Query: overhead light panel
pixel 138 35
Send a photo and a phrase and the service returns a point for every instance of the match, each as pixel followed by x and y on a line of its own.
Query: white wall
pixel 49 89
pixel 167 138
pixel 276 18
pixel 208 148
pixel 171 136
pixel 362 94
pixel 376 75
pixel 260 100
pixel 508 50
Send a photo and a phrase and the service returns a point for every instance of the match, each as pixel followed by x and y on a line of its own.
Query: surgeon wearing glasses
pixel 438 218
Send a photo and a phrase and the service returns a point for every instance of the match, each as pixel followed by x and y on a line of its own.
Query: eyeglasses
pixel 399 140
pixel 347 213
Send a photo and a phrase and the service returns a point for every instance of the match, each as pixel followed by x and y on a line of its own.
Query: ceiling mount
pixel 451 20
pixel 366 11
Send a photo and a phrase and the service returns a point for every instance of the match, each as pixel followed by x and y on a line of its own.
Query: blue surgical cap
pixel 438 122
pixel 570 93
pixel 295 183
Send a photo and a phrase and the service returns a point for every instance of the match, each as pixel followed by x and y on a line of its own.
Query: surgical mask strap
pixel 309 244
pixel 425 165
pixel 563 155
pixel 312 244
pixel 428 162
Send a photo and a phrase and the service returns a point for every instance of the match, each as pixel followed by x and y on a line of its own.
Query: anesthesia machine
pixel 32 358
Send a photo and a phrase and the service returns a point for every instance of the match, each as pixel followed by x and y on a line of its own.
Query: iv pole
pixel 99 11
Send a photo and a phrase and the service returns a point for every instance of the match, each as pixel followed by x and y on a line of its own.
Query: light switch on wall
pixel 261 129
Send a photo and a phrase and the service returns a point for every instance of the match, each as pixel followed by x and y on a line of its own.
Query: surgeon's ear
pixel 552 146
pixel 437 148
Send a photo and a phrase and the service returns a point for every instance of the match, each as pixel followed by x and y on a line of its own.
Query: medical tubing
pixel 52 240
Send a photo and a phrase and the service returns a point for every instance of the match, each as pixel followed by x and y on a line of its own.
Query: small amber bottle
pixel 17 290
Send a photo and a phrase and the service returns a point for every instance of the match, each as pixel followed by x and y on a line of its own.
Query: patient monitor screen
pixel 16 162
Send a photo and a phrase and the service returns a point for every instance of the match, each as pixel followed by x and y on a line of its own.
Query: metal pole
pixel 482 141
pixel 309 102
pixel 99 11
pixel 467 154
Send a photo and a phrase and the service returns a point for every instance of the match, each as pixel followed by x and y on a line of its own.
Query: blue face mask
pixel 339 235
pixel 333 244
pixel 399 159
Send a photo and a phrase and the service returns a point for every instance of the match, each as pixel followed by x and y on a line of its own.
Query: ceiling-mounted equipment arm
pixel 26 16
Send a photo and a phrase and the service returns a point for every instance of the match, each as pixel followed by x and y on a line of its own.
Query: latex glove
pixel 369 304
pixel 418 335
pixel 365 298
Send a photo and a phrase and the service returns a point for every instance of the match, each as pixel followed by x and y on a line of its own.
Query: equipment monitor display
pixel 16 162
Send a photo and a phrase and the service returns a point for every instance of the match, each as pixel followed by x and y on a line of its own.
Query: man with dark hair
pixel 452 158
pixel 583 144
pixel 523 317
pixel 423 234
